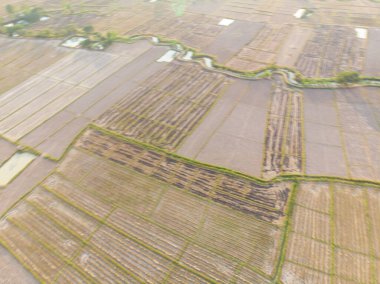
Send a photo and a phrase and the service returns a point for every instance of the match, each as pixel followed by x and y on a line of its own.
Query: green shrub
pixel 348 77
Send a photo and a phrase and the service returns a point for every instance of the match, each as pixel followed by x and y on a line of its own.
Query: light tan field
pixel 171 172
pixel 336 242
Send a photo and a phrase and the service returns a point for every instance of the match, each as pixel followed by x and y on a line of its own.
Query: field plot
pixel 293 45
pixel 335 223
pixel 324 148
pixel 232 40
pixel 372 61
pixel 141 230
pixel 342 133
pixel 332 49
pixel 246 10
pixel 34 173
pixel 21 59
pixel 358 111
pixel 49 109
pixel 232 134
pixel 12 271
pixel 7 149
pixel 262 50
pixel 266 202
pixel 194 30
pixel 358 13
pixel 166 109
pixel 284 134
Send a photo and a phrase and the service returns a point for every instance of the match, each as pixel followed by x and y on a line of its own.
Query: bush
pixel 9 8
pixel 32 15
pixel 88 29
pixel 348 77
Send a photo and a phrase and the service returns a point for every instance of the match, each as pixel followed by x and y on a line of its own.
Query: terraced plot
pixel 166 109
pixel 142 230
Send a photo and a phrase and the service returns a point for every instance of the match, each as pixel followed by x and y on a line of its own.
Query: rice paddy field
pixel 263 32
pixel 130 166
pixel 150 225
pixel 118 210
pixel 320 249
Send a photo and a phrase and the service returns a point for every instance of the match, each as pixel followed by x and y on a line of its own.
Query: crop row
pixel 340 51
pixel 266 202
pixel 261 50
pixel 283 141
pixel 166 109
pixel 195 30
pixel 334 235
pixel 250 240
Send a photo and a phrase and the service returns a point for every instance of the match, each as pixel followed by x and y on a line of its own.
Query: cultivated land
pixel 263 32
pixel 172 172
pixel 151 224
